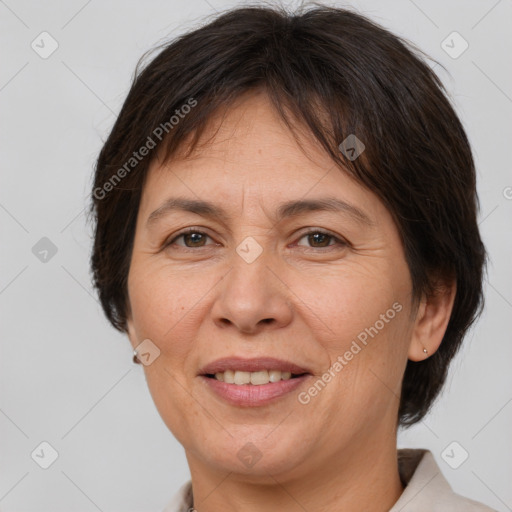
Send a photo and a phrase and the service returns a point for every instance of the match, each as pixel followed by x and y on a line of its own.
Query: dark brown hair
pixel 336 73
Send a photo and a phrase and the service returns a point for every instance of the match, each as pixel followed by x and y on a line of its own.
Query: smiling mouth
pixel 259 378
pixel 253 389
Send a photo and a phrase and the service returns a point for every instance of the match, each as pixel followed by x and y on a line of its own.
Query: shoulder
pixel 427 488
pixel 182 500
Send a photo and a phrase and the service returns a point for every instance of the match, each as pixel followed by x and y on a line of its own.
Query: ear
pixel 432 320
pixel 131 332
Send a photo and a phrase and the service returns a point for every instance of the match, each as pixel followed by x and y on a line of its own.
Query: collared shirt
pixel 426 489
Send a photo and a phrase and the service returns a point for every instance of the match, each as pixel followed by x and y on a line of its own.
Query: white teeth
pixel 229 376
pixel 259 377
pixel 255 378
pixel 242 377
pixel 274 376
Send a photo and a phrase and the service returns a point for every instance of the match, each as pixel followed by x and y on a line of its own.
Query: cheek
pixel 164 300
pixel 360 319
pixel 348 302
pixel 165 307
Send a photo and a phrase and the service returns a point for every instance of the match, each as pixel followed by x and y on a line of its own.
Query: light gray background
pixel 67 377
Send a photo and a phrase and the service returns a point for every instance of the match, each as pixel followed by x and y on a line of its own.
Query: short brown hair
pixel 338 74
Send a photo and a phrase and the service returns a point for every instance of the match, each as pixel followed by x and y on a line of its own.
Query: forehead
pixel 247 132
pixel 247 152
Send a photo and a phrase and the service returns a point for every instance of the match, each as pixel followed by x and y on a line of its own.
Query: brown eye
pixel 194 239
pixel 320 239
pixel 191 239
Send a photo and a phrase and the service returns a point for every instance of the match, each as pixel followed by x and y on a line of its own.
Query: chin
pixel 255 455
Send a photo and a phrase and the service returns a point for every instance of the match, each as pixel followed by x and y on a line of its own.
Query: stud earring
pixel 425 351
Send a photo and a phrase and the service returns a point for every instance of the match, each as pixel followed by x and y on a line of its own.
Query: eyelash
pixel 340 242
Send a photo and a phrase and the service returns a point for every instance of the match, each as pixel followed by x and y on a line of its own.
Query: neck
pixel 363 478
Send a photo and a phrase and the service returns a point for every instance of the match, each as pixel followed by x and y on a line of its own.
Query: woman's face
pixel 252 283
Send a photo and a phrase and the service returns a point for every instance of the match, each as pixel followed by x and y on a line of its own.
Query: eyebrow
pixel 286 210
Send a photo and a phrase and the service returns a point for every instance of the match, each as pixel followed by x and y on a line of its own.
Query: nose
pixel 252 297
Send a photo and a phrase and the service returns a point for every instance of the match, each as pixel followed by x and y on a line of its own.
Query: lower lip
pixel 249 395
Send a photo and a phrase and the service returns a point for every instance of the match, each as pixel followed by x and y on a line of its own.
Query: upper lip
pixel 251 365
